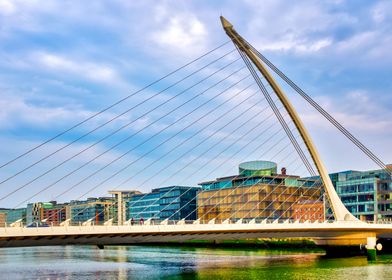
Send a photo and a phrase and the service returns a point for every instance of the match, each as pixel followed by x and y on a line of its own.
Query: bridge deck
pixel 338 233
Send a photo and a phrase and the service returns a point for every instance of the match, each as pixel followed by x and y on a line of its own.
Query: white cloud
pixel 381 11
pixel 181 32
pixel 7 7
pixel 304 27
pixel 89 70
pixel 16 111
pixel 357 41
pixel 356 111
pixel 292 44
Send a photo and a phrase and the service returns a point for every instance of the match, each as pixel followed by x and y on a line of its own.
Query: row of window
pixel 355 188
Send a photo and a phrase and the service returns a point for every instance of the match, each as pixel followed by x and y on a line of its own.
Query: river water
pixel 153 262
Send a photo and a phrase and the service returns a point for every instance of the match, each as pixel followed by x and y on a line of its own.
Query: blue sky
pixel 62 61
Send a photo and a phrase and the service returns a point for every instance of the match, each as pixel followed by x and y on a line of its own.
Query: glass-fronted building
pixel 258 172
pixel 258 191
pixel 17 214
pixel 35 211
pixel 144 206
pixel 98 210
pixel 178 203
pixel 366 194
pixel 173 203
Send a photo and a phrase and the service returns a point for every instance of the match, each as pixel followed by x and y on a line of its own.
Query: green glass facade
pixel 257 168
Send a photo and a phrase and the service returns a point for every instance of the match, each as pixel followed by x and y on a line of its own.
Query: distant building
pixel 144 206
pixel 35 211
pixel 14 215
pixel 3 217
pixel 309 210
pixel 56 214
pixel 258 191
pixel 174 203
pixel 178 203
pixel 98 210
pixel 120 199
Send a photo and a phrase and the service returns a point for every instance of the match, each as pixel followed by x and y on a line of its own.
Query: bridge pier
pixel 371 250
pixel 350 244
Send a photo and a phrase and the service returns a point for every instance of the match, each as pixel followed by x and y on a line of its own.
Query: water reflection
pixel 148 262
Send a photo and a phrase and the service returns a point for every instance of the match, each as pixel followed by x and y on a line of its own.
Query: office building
pixel 35 211
pixel 17 214
pixel 55 214
pixel 173 203
pixel 98 210
pixel 366 194
pixel 258 191
pixel 120 198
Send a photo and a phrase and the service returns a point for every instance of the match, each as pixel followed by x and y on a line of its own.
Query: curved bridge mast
pixel 340 211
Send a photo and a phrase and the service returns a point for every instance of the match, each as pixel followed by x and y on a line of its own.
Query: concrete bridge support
pixel 371 250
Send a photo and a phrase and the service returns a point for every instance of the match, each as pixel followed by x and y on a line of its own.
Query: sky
pixel 62 61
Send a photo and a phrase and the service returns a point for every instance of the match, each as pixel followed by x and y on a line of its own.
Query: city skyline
pixel 49 79
pixel 195 139
pixel 364 193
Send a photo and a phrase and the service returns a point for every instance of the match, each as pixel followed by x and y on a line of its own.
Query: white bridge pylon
pixel 339 210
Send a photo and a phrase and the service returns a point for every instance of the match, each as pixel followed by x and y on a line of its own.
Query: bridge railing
pixel 147 222
pixel 141 222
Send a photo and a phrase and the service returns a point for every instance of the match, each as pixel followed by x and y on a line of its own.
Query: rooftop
pixel 241 177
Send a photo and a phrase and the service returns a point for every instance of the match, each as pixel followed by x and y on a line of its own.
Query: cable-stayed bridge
pixel 221 107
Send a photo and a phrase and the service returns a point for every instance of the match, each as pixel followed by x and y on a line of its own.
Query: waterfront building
pixel 144 206
pixel 17 214
pixel 120 198
pixel 178 203
pixel 3 217
pixel 366 194
pixel 258 191
pixel 35 211
pixel 56 214
pixel 173 202
pixel 98 210
pixel 309 210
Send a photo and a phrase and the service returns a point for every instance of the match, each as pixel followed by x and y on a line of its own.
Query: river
pixel 154 262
